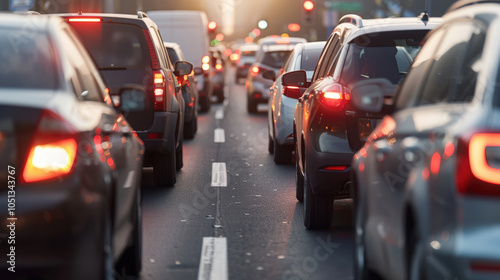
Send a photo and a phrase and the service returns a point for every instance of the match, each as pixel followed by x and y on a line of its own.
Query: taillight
pixel 205 63
pixel 255 70
pixel 292 92
pixel 152 53
pixel 218 67
pixel 159 90
pixel 53 151
pixel 84 20
pixel 334 96
pixel 478 165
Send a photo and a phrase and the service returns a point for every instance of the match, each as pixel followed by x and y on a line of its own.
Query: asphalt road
pixel 253 227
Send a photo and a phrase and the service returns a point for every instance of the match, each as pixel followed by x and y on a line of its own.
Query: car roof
pixel 111 17
pixel 314 45
pixel 18 20
pixel 275 48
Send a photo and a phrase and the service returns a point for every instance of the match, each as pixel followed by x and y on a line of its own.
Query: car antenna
pixel 425 16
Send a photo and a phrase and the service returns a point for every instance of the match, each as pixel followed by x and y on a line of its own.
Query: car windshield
pixel 275 59
pixel 384 55
pixel 114 45
pixel 26 61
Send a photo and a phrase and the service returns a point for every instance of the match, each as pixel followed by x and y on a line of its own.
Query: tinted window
pixel 275 59
pixel 328 55
pixel 114 44
pixel 248 53
pixel 26 61
pixel 310 59
pixel 443 74
pixel 173 55
pixel 382 55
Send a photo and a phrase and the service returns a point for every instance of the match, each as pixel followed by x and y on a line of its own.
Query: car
pixel 246 58
pixel 257 87
pixel 217 63
pixel 129 49
pixel 174 25
pixel 327 129
pixel 426 183
pixel 282 100
pixel 277 40
pixel 71 162
pixel 189 91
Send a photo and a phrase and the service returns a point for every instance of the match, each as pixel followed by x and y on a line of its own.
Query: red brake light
pixel 334 96
pixel 336 168
pixel 85 20
pixel 152 53
pixel 159 90
pixel 292 92
pixel 53 150
pixel 478 165
pixel 218 67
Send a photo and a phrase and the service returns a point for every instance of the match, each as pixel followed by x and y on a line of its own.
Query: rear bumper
pixel 165 124
pixel 58 230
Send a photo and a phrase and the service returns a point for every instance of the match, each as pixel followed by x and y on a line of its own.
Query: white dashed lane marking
pixel 213 260
pixel 219 174
pixel 219 135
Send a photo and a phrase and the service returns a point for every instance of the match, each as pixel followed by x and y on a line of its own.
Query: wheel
pixel 251 106
pixel 318 210
pixel 282 153
pixel 416 269
pixel 270 145
pixel 179 160
pixel 299 178
pixel 131 261
pixel 164 169
pixel 204 104
pixel 220 97
pixel 107 258
pixel 190 128
pixel 361 269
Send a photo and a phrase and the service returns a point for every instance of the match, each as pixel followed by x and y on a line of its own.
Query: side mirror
pixel 270 74
pixel 295 78
pixel 182 68
pixel 132 99
pixel 198 71
pixel 371 95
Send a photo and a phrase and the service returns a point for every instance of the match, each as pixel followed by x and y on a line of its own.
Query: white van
pixel 189 30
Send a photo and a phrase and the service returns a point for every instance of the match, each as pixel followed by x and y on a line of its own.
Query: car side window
pixel 409 90
pixel 325 57
pixel 443 74
pixel 288 62
pixel 84 83
pixel 472 63
pixel 332 52
pixel 160 49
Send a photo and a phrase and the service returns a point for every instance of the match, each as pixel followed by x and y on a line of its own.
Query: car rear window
pixel 114 45
pixel 173 55
pixel 275 59
pixel 383 55
pixel 248 53
pixel 310 59
pixel 26 61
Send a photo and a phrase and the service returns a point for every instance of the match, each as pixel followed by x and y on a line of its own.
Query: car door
pixel 113 137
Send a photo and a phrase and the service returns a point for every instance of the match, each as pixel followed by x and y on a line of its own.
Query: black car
pixel 71 164
pixel 129 49
pixel 327 129
pixel 189 91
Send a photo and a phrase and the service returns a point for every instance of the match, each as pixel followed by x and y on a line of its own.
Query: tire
pixel 204 104
pixel 107 259
pixel 282 153
pixel 361 269
pixel 318 210
pixel 190 128
pixel 220 97
pixel 251 106
pixel 299 178
pixel 416 269
pixel 179 160
pixel 131 261
pixel 270 145
pixel 164 170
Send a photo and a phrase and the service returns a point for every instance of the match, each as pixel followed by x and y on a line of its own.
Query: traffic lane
pixel 175 218
pixel 263 221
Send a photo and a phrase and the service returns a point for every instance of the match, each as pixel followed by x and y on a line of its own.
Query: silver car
pixel 426 186
pixel 282 100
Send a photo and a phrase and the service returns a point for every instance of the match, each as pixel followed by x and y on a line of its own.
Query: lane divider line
pixel 219 135
pixel 213 260
pixel 219 114
pixel 219 174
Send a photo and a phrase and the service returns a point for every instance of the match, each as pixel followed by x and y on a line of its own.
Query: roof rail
pixel 352 18
pixel 460 4
pixel 141 14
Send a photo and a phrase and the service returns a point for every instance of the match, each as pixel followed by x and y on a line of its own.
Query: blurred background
pixel 236 19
